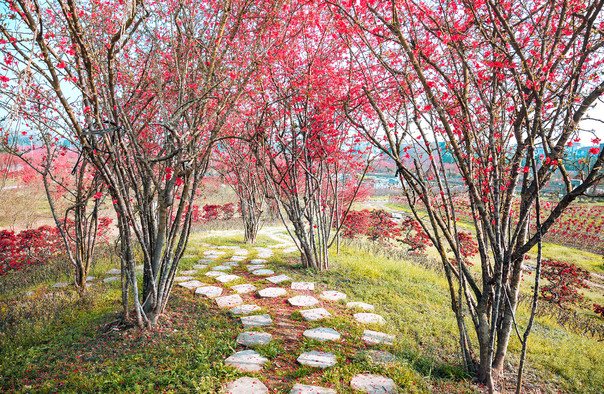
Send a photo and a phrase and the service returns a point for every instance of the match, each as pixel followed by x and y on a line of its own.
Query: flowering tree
pixel 501 87
pixel 146 88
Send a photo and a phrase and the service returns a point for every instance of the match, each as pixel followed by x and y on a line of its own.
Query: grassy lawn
pixel 78 347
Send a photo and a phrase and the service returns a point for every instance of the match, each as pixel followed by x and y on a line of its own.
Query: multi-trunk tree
pixel 500 87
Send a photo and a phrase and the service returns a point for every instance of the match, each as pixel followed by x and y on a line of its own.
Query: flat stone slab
pixel 111 279
pixel 256 321
pixel 244 309
pixel 317 359
pixel 183 278
pixel 322 334
pixel 258 261
pixel 192 284
pixel 221 268
pixel 188 272
pixel 255 267
pixel 376 337
pixel 231 264
pixel 246 360
pixel 238 258
pixel 380 356
pixel 203 261
pixel 265 255
pixel 278 279
pixel 200 266
pixel 241 252
pixel 227 278
pixel 303 285
pixel 246 385
pixel 209 291
pixel 62 284
pixel 331 295
pixel 213 253
pixel 252 338
pixel 263 272
pixel 315 314
pixel 291 249
pixel 115 271
pixel 229 301
pixel 271 292
pixel 373 384
pixel 244 288
pixel 369 318
pixel 303 301
pixel 307 389
pixel 360 305
pixel 88 278
pixel 214 274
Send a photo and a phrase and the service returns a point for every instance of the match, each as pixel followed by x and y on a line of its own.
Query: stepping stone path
pixel 111 279
pixel 376 337
pixel 246 385
pixel 229 301
pixel 263 272
pixel 303 286
pixel 278 279
pixel 183 278
pixel 291 249
pixel 307 389
pixel 315 314
pixel 272 292
pixel 244 288
pixel 374 384
pixel 369 318
pixel 317 359
pixel 360 305
pixel 238 258
pixel 188 272
pixel 221 268
pixel 258 261
pixel 115 271
pixel 62 284
pixel 303 301
pixel 200 266
pixel 252 338
pixel 241 252
pixel 322 334
pixel 381 356
pixel 214 274
pixel 246 360
pixel 331 295
pixel 227 278
pixel 192 284
pixel 244 309
pixel 209 291
pixel 231 264
pixel 255 267
pixel 89 278
pixel 203 261
pixel 256 321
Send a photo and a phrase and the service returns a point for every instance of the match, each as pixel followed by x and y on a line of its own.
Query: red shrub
pixel 29 247
pixel 564 281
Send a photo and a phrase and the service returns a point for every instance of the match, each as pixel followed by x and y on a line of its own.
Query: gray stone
pixel 244 288
pixel 214 274
pixel 188 272
pixel 246 360
pixel 252 338
pixel 322 334
pixel 256 321
pixel 263 272
pixel 255 267
pixel 192 284
pixel 258 261
pixel 89 278
pixel 61 284
pixel 203 261
pixel 291 249
pixel 244 309
pixel 229 301
pixel 231 264
pixel 213 253
pixel 303 301
pixel 303 286
pixel 373 384
pixel 221 268
pixel 360 305
pixel 315 314
pixel 200 266
pixel 278 279
pixel 227 278
pixel 369 318
pixel 376 337
pixel 380 356
pixel 111 279
pixel 183 278
pixel 115 271
pixel 29 293
pixel 307 389
pixel 238 258
pixel 331 295
pixel 240 252
pixel 209 291
pixel 271 292
pixel 246 385
pixel 317 359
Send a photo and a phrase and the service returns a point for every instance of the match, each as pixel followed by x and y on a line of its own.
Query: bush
pixel 564 281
